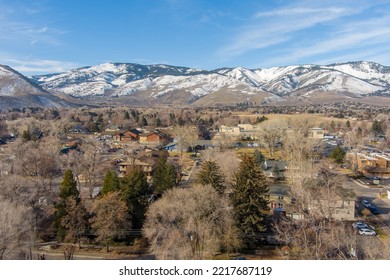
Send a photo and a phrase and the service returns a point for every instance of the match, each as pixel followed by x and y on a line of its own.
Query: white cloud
pixel 278 26
pixel 356 40
pixel 301 10
pixel 29 65
pixel 307 29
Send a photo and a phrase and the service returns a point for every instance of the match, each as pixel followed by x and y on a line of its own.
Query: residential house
pixel 127 136
pixel 157 138
pixel 316 133
pixel 241 131
pixel 146 160
pixel 372 164
pixel 279 197
pixel 198 145
pixel 275 168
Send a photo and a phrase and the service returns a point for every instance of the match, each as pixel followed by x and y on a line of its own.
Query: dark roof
pixel 279 190
pixel 282 165
pixel 135 131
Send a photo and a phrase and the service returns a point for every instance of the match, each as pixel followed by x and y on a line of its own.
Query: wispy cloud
pixel 306 29
pixel 356 40
pixel 275 27
pixel 24 24
pixel 30 65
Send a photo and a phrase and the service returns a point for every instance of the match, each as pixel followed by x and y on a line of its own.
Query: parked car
pixel 359 225
pixel 365 203
pixel 373 209
pixel 366 231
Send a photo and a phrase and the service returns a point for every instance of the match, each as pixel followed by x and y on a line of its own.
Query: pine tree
pixel 144 121
pixel 337 154
pixel 69 186
pixel 377 128
pixel 249 201
pixel 348 125
pixel 210 174
pixel 164 176
pixel 110 183
pixel 259 158
pixel 68 190
pixel 135 190
pixel 158 122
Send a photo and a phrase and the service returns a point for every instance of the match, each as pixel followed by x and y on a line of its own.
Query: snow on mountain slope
pixel 369 71
pixel 17 91
pixel 122 79
pixel 13 83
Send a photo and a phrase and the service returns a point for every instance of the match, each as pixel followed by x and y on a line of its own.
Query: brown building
pixel 157 138
pixel 127 136
pixel 146 160
pixel 373 164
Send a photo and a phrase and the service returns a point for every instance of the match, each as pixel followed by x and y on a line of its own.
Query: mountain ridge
pixel 358 79
pixel 167 85
pixel 17 91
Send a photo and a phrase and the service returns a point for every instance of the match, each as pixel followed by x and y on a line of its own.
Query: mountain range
pixel 159 84
pixel 17 91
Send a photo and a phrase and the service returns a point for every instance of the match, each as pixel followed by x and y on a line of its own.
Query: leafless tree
pixel 185 136
pixel 111 218
pixel 271 132
pixel 190 223
pixel 226 160
pixel 14 230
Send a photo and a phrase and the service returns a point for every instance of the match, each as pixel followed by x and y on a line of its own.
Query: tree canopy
pixel 249 201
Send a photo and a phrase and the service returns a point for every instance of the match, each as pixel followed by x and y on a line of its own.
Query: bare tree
pixel 111 218
pixel 14 230
pixel 91 165
pixel 185 136
pixel 190 224
pixel 271 132
pixel 226 160
pixel 353 141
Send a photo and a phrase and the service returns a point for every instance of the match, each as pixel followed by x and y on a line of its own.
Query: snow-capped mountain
pixel 154 82
pixel 17 91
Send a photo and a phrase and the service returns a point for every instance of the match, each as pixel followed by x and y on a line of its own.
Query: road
pixel 371 193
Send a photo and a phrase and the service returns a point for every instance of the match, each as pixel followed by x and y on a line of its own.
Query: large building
pixel 372 164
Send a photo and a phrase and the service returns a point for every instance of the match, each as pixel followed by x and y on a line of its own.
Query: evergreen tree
pixel 164 176
pixel 259 158
pixel 210 174
pixel 348 125
pixel 332 126
pixel 68 190
pixel 135 190
pixel 377 128
pixel 158 122
pixel 26 135
pixel 249 201
pixel 144 121
pixel 69 186
pixel 126 116
pixel 337 154
pixel 110 183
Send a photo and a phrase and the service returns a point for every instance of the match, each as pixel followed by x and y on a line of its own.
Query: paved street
pixel 370 193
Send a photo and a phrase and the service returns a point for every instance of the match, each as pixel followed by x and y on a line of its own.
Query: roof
pixel 135 131
pixel 279 190
pixel 282 165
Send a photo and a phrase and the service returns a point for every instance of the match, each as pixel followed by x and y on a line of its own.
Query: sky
pixel 48 36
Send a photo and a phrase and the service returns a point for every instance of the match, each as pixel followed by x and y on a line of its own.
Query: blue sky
pixel 48 36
